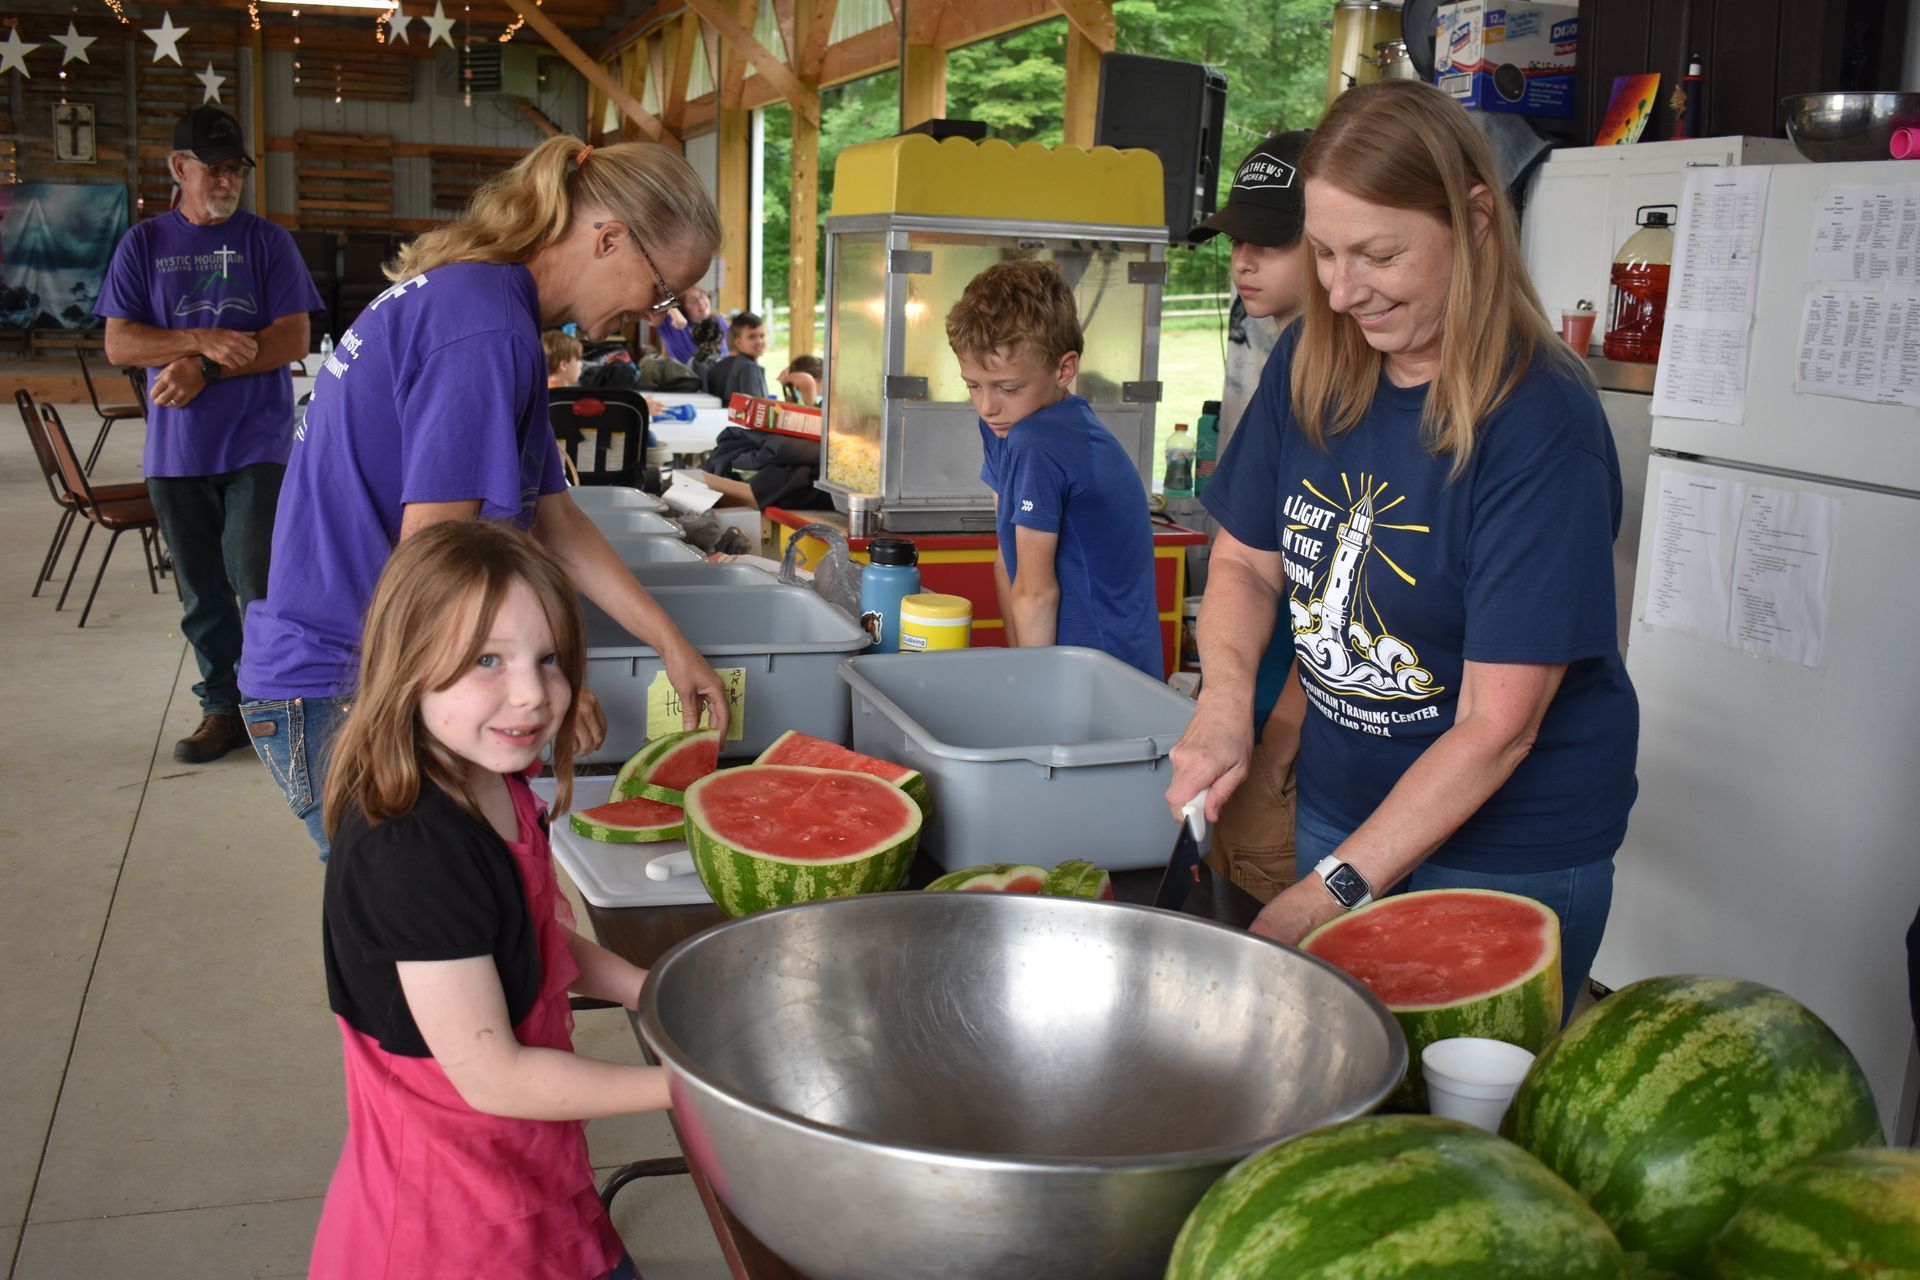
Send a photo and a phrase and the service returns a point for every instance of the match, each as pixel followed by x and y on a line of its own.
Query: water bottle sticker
pixel 664 713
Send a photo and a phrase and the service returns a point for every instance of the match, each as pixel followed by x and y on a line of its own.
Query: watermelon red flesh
pixel 769 835
pixel 629 821
pixel 685 764
pixel 1668 1102
pixel 1452 962
pixel 1853 1213
pixel 994 877
pixel 794 747
pixel 1394 1196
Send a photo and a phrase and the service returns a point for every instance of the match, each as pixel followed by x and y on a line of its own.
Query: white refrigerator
pixel 1777 832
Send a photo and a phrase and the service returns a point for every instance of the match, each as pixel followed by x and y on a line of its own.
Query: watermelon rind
pixel 1077 878
pixel 1850 1213
pixel 991 877
pixel 599 823
pixel 1671 1100
pixel 658 756
pixel 1526 1012
pixel 795 747
pixel 742 880
pixel 1394 1196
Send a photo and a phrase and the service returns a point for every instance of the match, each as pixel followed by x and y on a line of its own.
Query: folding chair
pixel 109 413
pixel 116 517
pixel 611 413
pixel 56 485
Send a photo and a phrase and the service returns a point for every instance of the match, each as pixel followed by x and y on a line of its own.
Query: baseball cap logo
pixel 1263 171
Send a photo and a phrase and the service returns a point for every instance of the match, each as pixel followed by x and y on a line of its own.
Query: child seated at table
pixel 1075 560
pixel 449 949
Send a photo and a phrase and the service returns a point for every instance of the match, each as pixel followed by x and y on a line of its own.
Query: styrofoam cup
pixel 1472 1079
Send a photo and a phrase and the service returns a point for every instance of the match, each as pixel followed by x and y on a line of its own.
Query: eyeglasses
pixel 668 298
pixel 231 171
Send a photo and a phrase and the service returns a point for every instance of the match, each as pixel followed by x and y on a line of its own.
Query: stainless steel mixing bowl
pixel 959 1084
pixel 1848 126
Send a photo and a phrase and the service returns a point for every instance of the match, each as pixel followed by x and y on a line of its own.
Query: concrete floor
pixel 170 1091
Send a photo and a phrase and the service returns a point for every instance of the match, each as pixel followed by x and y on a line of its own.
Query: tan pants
pixel 1253 841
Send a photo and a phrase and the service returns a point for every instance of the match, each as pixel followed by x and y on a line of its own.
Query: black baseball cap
pixel 211 135
pixel 1268 203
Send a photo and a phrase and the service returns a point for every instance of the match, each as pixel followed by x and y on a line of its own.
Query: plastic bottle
pixel 326 347
pixel 1178 481
pixel 1690 120
pixel 890 576
pixel 1206 446
pixel 1640 272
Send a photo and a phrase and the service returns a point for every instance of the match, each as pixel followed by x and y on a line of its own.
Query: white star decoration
pixel 212 82
pixel 440 25
pixel 397 24
pixel 14 51
pixel 75 45
pixel 166 39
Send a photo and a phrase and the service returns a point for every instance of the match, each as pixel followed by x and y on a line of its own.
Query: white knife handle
pixel 1195 811
pixel 669 865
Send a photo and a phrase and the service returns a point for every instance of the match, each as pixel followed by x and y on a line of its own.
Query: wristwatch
pixel 1344 881
pixel 209 368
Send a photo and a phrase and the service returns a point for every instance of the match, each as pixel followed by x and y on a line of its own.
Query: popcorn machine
pixel 913 220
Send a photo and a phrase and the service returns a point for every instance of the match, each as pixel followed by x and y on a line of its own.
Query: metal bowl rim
pixel 1844 96
pixel 674 1058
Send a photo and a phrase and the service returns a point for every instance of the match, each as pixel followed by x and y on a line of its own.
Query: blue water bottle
pixel 891 575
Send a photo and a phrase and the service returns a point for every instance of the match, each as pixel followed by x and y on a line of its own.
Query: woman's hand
pixel 589 724
pixel 695 680
pixel 1213 754
pixel 1296 911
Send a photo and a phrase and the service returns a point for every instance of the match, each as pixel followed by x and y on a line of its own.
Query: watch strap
pixel 209 368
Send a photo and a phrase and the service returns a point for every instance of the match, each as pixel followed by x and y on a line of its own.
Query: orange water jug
pixel 1640 272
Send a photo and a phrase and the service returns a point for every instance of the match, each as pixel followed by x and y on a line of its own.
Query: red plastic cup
pixel 1577 328
pixel 1905 144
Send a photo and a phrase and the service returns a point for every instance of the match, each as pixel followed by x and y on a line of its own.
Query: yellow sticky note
pixel 664 715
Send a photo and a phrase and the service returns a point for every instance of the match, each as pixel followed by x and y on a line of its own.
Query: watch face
pixel 1347 885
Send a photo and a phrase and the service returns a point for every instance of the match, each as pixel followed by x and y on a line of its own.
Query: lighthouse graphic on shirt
pixel 1338 632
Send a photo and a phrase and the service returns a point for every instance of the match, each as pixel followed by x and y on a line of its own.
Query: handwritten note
pixel 1703 350
pixel 664 714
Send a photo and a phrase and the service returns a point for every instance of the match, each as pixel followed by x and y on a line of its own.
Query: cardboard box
pixel 730 501
pixel 1518 59
pixel 756 413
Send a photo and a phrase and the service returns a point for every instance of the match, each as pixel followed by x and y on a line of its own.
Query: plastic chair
pixel 116 517
pixel 611 413
pixel 109 413
pixel 56 485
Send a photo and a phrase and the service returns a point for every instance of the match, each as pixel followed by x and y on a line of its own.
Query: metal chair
pixel 56 485
pixel 109 413
pixel 611 413
pixel 116 517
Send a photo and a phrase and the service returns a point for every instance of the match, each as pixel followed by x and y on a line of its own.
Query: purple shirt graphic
pixel 243 273
pixel 436 393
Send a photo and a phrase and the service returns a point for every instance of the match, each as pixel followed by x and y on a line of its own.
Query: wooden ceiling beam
pixel 789 38
pixel 739 36
pixel 684 38
pixel 654 15
pixel 593 71
pixel 1092 19
pixel 813 41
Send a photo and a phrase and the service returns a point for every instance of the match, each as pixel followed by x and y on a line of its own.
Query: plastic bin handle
pixel 1112 751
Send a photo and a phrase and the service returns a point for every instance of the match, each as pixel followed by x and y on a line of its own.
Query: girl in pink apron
pixel 450 951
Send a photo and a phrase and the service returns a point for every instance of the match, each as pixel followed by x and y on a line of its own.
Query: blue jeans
pixel 1581 896
pixel 293 738
pixel 625 1271
pixel 219 530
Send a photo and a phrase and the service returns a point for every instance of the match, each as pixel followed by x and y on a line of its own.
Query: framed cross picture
pixel 73 133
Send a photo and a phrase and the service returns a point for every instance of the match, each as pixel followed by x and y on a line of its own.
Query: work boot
pixel 219 733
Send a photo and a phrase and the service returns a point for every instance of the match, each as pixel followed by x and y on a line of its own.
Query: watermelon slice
pixel 994 877
pixel 635 820
pixel 1452 962
pixel 1078 878
pixel 794 747
pixel 664 768
pixel 768 835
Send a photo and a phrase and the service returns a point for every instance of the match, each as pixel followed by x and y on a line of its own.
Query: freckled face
pixel 504 708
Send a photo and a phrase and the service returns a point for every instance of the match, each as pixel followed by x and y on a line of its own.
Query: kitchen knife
pixel 1183 868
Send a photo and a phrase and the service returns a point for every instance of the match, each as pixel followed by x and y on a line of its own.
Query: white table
pixel 692 437
pixel 698 399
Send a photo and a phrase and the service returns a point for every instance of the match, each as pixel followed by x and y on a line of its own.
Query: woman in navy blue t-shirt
pixel 1425 487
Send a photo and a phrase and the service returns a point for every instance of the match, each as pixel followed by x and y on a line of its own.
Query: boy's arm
pixel 1036 593
pixel 1003 585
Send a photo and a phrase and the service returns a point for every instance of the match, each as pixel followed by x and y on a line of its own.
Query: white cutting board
pixel 615 875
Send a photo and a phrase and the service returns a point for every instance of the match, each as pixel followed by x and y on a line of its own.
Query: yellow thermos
pixel 930 621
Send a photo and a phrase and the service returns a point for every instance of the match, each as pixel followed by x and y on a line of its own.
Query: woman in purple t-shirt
pixel 434 407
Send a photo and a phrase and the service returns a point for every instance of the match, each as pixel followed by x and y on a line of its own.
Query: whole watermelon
pixel 1391 1196
pixel 1851 1213
pixel 1672 1099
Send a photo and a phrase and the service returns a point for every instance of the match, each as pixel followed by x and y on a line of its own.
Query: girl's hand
pixel 694 679
pixel 589 724
pixel 675 319
pixel 1213 754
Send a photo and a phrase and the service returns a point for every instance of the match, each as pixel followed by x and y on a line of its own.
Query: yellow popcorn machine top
pixel 913 220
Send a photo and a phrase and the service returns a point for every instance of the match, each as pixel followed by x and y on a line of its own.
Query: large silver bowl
pixel 1848 126
pixel 956 1084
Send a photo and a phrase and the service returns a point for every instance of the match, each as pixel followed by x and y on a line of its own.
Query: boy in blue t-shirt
pixel 1075 562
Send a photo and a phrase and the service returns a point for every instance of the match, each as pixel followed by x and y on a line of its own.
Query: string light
pixel 253 14
pixel 380 25
pixel 296 47
pixel 119 13
pixel 466 55
pixel 336 84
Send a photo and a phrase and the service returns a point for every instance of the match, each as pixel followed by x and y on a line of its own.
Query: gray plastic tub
pixel 705 573
pixel 1031 755
pixel 637 549
pixel 648 523
pixel 613 497
pixel 787 639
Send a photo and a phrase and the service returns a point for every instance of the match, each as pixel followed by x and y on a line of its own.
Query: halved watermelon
pixel 993 877
pixel 635 820
pixel 1452 962
pixel 1078 878
pixel 770 835
pixel 664 768
pixel 794 747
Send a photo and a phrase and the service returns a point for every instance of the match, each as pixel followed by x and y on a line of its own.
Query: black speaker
pixel 1175 110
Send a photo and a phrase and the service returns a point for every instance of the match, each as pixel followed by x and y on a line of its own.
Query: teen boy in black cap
pixel 1264 216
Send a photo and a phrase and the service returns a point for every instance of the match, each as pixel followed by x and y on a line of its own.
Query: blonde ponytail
pixel 532 204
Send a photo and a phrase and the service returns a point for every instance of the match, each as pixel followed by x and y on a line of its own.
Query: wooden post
pixel 803 241
pixel 923 84
pixel 256 78
pixel 595 74
pixel 1083 89
pixel 735 178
